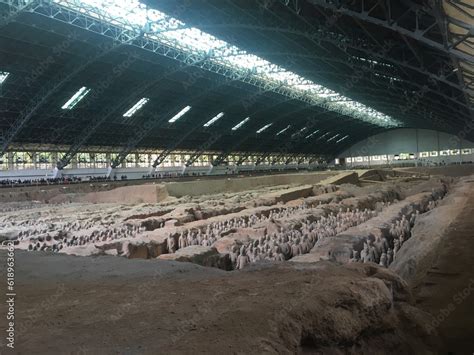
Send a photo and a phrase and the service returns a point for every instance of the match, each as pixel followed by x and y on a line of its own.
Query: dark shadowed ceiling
pixel 401 58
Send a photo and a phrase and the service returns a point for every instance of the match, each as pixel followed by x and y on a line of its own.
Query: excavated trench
pixel 324 206
pixel 325 200
pixel 299 307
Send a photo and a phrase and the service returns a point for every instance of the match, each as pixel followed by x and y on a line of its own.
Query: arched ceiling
pixel 410 62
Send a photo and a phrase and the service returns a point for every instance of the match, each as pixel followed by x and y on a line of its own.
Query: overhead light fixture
pixel 324 135
pixel 333 137
pixel 340 140
pixel 312 134
pixel 179 114
pixel 214 119
pixel 136 107
pixel 76 98
pixel 300 131
pixel 240 124
pixel 3 76
pixel 264 128
pixel 283 130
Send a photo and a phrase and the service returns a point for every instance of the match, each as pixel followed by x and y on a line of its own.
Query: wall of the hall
pixel 139 173
pixel 409 146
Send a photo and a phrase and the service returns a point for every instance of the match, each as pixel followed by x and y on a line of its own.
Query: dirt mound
pixel 339 247
pixel 154 305
pixel 421 250
pixel 201 255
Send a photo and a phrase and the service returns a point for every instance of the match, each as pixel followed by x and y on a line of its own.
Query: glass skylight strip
pixel 299 132
pixel 324 135
pixel 76 98
pixel 312 134
pixel 179 114
pixel 371 61
pixel 240 124
pixel 340 140
pixel 214 119
pixel 165 30
pixel 387 77
pixel 333 137
pixel 264 128
pixel 3 76
pixel 136 107
pixel 283 130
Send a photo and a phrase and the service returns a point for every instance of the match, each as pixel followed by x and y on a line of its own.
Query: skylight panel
pixel 214 119
pixel 264 128
pixel 162 29
pixel 312 134
pixel 179 114
pixel 136 107
pixel 324 135
pixel 371 61
pixel 299 132
pixel 328 94
pixel 283 130
pixel 3 76
pixel 76 98
pixel 240 124
pixel 392 78
pixel 340 140
pixel 333 137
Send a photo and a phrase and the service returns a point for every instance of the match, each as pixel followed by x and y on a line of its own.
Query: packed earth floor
pixel 356 262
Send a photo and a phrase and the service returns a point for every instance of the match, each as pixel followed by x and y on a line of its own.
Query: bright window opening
pixel 136 107
pixel 298 132
pixel 214 119
pixel 283 130
pixel 240 124
pixel 76 98
pixel 264 128
pixel 179 114
pixel 340 140
pixel 312 134
pixel 3 76
pixel 324 135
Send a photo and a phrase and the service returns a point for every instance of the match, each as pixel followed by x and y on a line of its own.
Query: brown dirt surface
pixel 104 304
pixel 447 291
pixel 114 305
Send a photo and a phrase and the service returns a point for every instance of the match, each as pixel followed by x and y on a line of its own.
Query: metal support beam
pixel 14 9
pixel 89 21
pixel 442 21
pixel 138 91
pixel 156 120
pixel 235 147
pixel 217 135
pixel 44 95
pixel 416 12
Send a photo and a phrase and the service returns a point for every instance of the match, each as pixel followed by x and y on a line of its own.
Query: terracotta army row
pixel 296 240
pixel 213 231
pixel 19 208
pixel 67 239
pixel 383 249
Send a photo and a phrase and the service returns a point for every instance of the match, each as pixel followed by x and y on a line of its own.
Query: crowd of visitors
pixel 64 180
pixel 40 181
